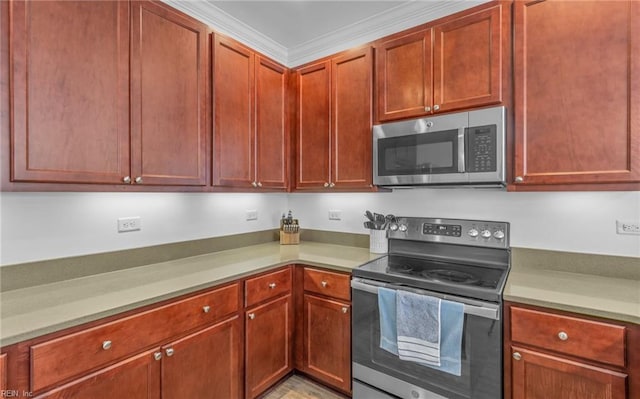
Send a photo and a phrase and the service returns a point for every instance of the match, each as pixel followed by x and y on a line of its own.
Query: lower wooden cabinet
pixel 327 340
pixel 3 372
pixel 268 344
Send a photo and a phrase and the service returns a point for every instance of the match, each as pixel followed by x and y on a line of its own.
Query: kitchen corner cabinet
pixel 334 121
pixel 577 122
pixel 268 330
pixel 250 110
pixel 327 328
pixel 453 65
pixel 551 354
pixel 86 107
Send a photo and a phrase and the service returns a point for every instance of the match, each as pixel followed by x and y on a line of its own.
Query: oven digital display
pixel 452 230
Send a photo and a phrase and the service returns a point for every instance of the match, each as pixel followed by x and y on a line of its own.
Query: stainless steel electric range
pixel 463 261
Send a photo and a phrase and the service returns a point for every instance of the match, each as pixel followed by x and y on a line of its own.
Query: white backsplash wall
pixel 565 221
pixel 37 226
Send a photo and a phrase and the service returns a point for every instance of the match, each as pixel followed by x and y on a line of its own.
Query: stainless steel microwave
pixel 463 148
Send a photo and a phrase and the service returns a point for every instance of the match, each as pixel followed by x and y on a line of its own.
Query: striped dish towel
pixel 418 326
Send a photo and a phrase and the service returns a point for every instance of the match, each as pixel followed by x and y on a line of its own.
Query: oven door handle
pixel 471 307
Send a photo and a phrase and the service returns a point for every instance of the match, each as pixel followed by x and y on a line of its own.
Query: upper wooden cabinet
pixel 455 64
pixel 334 120
pixel 577 93
pixel 250 111
pixel 89 108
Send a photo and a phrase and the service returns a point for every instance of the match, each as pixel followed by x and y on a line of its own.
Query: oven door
pixel 481 371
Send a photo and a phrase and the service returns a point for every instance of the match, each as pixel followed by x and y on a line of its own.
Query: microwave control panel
pixel 481 149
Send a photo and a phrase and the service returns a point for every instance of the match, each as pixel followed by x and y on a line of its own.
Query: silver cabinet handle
pixel 169 351
pixel 254 184
pixel 345 309
pixel 206 308
pixel 324 284
pixel 519 179
pixel 428 109
pixel 272 285
pixel 127 179
pixel 106 345
pixel 138 180
pixel 517 356
pixel 259 184
pixel 252 316
pixel 326 184
pixel 157 355
pixel 563 336
pixel 436 107
pixel 332 185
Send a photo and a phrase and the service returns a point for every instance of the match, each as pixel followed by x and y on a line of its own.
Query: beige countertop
pixel 30 312
pixel 595 285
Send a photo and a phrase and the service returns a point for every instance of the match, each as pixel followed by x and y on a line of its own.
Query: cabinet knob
pixel 252 316
pixel 169 351
pixel 345 309
pixel 436 107
pixel 254 184
pixel 326 184
pixel 332 185
pixel 272 285
pixel 519 179
pixel 259 184
pixel 138 180
pixel 127 179
pixel 206 308
pixel 517 355
pixel 563 336
pixel 106 345
pixel 157 355
pixel 427 109
pixel 324 284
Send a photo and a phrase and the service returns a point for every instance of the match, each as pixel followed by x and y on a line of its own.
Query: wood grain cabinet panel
pixel 69 99
pixel 267 286
pixel 250 107
pixel 3 372
pixel 577 121
pixel 323 282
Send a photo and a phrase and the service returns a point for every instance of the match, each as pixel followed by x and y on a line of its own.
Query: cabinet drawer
pixel 270 285
pixel 588 339
pixel 331 284
pixel 68 356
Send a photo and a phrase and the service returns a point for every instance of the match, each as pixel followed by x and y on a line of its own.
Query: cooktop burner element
pixel 474 263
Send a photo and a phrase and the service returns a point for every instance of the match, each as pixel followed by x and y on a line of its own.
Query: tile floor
pixel 299 387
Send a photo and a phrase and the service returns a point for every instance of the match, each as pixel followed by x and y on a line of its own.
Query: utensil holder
pixel 378 243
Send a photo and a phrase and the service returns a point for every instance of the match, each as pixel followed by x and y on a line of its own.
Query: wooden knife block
pixel 289 238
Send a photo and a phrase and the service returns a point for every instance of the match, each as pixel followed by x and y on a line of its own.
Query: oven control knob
pixel 393 227
pixel 402 227
pixel 498 234
pixel 473 233
pixel 485 234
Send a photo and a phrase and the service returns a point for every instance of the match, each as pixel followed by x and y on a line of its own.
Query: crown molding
pixel 401 17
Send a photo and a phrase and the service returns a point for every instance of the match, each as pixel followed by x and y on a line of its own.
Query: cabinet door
pixel 467 63
pixel 135 378
pixel 327 341
pixel 404 76
pixel 271 111
pixel 537 375
pixel 313 126
pixel 168 98
pixel 206 364
pixel 234 164
pixel 69 91
pixel 576 120
pixel 3 372
pixel 351 137
pixel 268 344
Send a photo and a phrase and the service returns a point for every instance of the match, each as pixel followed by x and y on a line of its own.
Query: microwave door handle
pixel 462 133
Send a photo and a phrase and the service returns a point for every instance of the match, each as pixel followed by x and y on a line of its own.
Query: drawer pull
pixel 563 336
pixel 345 309
pixel 157 355
pixel 252 316
pixel 324 284
pixel 272 285
pixel 106 345
pixel 169 351
pixel 517 356
pixel 206 308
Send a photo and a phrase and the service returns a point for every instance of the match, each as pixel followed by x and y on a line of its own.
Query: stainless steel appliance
pixel 463 148
pixel 464 261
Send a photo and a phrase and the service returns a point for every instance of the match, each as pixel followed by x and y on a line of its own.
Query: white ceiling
pixel 295 32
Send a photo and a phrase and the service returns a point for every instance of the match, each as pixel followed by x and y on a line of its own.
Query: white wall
pixel 38 226
pixel 565 221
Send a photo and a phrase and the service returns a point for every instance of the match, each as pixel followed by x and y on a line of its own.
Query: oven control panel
pixel 455 231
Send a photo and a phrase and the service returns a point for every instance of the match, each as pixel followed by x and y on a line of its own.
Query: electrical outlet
pixel 129 224
pixel 627 227
pixel 252 214
pixel 335 214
